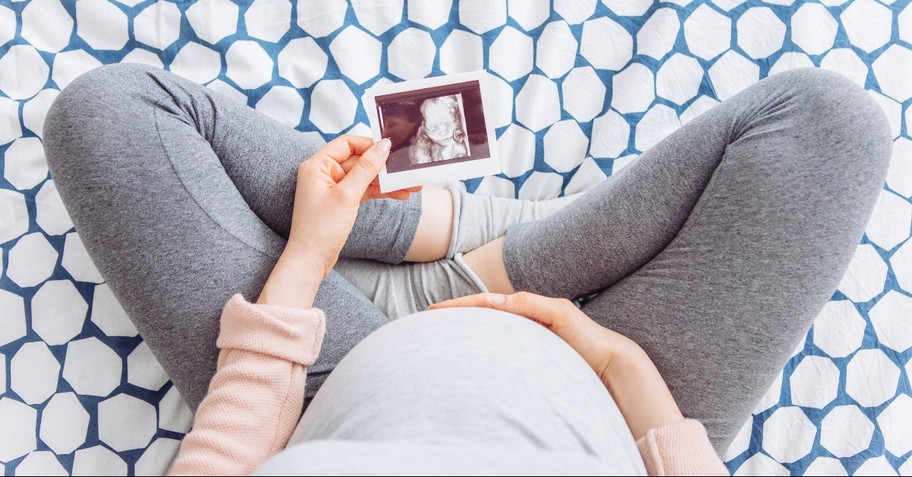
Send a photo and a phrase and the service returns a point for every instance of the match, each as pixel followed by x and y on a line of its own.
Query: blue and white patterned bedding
pixel 82 394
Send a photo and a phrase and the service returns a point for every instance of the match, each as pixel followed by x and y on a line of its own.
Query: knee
pixel 94 89
pixel 825 94
pixel 852 117
pixel 92 98
pixel 104 79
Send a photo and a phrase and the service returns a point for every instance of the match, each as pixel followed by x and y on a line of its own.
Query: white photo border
pixel 390 181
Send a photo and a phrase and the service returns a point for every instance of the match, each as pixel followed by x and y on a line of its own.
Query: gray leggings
pixel 714 251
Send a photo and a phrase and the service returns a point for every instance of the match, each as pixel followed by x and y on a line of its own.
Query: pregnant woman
pixel 701 266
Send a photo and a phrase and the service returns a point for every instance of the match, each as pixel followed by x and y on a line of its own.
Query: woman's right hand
pixel 622 365
pixel 331 185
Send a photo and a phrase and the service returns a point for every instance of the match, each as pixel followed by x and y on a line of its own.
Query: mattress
pixel 82 393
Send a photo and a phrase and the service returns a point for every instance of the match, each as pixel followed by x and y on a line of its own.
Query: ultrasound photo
pixel 433 125
pixel 437 127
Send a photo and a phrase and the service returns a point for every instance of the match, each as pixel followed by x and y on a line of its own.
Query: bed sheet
pixel 81 392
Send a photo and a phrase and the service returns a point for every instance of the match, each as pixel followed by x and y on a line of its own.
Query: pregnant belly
pixel 468 375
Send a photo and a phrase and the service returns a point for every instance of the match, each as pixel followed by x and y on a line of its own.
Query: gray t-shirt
pixel 461 391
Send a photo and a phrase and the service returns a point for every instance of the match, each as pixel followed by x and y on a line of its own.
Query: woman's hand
pixel 331 185
pixel 627 372
pixel 599 346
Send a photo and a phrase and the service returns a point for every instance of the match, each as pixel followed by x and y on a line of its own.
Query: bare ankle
pixel 487 262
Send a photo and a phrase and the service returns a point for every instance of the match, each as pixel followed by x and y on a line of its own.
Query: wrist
pixel 623 357
pixel 294 282
pixel 629 363
pixel 304 259
pixel 308 258
pixel 640 392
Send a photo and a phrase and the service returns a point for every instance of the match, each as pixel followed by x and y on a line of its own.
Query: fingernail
pixel 383 146
pixel 497 299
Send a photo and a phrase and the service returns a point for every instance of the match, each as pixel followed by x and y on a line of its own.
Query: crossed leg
pixel 183 198
pixel 718 247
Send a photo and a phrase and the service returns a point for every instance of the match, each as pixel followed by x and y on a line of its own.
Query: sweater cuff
pixel 291 334
pixel 682 448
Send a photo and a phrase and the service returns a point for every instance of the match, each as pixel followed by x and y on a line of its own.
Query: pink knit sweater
pixel 255 400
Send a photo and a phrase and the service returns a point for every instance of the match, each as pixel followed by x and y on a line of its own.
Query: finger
pixel 366 169
pixel 410 189
pixel 324 166
pixel 508 303
pixel 373 192
pixel 397 195
pixel 350 162
pixel 336 171
pixel 539 308
pixel 343 147
pixel 483 300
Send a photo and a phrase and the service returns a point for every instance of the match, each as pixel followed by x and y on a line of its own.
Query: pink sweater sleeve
pixel 680 449
pixel 256 396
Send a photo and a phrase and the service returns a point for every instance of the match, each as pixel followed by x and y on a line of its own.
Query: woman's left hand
pixel 627 372
pixel 600 347
pixel 331 186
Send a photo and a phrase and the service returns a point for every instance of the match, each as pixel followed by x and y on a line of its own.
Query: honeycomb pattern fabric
pixel 580 88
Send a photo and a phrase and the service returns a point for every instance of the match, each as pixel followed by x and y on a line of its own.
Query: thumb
pixel 367 168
